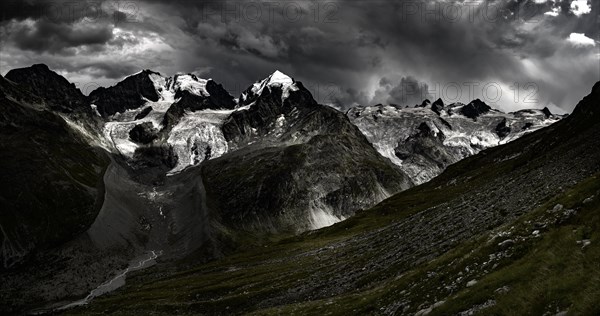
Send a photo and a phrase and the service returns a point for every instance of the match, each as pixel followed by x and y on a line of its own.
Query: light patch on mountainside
pixel 197 137
pixel 320 218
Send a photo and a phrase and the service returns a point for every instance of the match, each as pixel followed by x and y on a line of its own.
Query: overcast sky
pixel 512 54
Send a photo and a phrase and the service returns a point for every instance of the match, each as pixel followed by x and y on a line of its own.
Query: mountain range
pixel 176 171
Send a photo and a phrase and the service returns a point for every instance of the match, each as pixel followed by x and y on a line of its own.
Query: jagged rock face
pixel 502 129
pixel 288 163
pixel 126 95
pixel 262 119
pixel 424 104
pixel 187 114
pixel 474 109
pixel 547 112
pixel 143 133
pixel 438 106
pixel 274 105
pixel 217 99
pixel 154 156
pixel 143 113
pixel 424 154
pixel 58 93
pixel 397 135
pixel 51 181
pixel 589 106
pixel 303 186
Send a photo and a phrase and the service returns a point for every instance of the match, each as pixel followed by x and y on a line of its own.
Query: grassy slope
pixel 549 273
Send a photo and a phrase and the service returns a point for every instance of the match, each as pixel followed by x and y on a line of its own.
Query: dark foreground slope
pixel 51 180
pixel 511 230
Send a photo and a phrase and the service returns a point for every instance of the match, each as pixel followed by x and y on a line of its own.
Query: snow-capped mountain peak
pixel 143 72
pixel 170 88
pixel 190 83
pixel 276 79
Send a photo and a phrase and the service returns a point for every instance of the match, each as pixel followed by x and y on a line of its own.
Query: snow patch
pixel 198 137
pixel 190 83
pixel 321 215
pixel 320 218
pixel 160 84
pixel 387 150
pixel 279 124
pixel 95 110
pixel 483 139
pixel 92 139
pixel 276 79
pixel 117 133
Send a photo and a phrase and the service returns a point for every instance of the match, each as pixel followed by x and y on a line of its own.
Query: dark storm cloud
pixel 65 11
pixel 346 52
pixel 114 70
pixel 407 91
pixel 44 35
pixel 20 10
pixel 342 98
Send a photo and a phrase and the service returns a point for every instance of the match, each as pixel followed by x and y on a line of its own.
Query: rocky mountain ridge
pixel 424 140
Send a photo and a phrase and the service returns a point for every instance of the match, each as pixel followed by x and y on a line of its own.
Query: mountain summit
pixel 284 83
pixel 57 92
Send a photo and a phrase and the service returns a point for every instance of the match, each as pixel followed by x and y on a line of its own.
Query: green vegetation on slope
pixel 533 273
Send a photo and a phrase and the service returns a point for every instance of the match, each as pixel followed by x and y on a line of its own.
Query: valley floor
pixel 545 262
pixel 540 259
